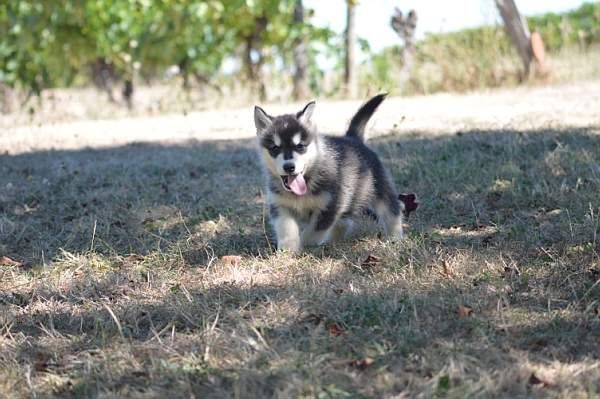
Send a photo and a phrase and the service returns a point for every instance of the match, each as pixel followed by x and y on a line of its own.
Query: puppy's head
pixel 288 144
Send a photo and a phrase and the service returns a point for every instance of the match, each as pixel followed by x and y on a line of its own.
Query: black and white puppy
pixel 316 184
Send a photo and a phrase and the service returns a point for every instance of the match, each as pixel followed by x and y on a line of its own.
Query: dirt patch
pixel 574 104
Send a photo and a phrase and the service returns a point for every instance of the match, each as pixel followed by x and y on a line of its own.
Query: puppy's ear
pixel 262 120
pixel 305 115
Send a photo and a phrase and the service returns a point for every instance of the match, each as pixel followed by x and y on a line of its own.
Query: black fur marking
pixel 273 211
pixel 286 127
pixel 370 213
pixel 287 154
pixel 369 162
pixel 327 217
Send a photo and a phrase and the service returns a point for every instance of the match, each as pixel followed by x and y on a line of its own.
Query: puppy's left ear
pixel 305 115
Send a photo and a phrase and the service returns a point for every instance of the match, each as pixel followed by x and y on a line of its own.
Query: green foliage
pixel 51 43
pixel 55 43
pixel 29 48
pixel 147 35
pixel 580 27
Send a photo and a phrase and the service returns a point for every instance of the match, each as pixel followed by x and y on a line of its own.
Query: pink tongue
pixel 297 184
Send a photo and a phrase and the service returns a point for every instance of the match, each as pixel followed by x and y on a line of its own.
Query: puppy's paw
pixel 290 244
pixel 342 230
pixel 396 235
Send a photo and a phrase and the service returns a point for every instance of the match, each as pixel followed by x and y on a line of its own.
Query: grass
pixel 122 290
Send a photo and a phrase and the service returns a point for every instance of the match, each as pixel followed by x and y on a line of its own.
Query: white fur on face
pixel 296 139
pixel 277 140
pixel 302 162
pixel 297 160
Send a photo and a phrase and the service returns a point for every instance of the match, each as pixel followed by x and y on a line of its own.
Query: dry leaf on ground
pixel 362 364
pixel 370 261
pixel 134 258
pixel 446 269
pixel 464 311
pixel 335 329
pixel 6 261
pixel 233 260
pixel 536 380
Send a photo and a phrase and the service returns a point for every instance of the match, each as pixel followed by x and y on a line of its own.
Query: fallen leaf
pixel 6 261
pixel 134 258
pixel 335 329
pixel 446 269
pixel 479 226
pixel 464 311
pixel 535 380
pixel 362 363
pixel 509 271
pixel 232 260
pixel 42 362
pixel 410 204
pixel 370 261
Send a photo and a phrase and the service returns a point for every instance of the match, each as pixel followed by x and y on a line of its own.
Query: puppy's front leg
pixel 319 230
pixel 287 232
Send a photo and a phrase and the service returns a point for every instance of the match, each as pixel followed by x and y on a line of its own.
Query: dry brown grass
pixel 495 291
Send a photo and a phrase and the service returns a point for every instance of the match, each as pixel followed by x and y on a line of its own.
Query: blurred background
pixel 62 60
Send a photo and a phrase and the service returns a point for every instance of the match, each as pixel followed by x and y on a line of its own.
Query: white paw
pixel 289 244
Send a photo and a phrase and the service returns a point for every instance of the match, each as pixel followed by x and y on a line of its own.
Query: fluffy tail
pixel 360 119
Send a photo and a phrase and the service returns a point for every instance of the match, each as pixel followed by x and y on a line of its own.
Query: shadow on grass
pixel 130 200
pixel 143 198
pixel 527 197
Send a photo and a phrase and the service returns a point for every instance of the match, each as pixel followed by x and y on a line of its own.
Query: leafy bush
pixel 54 43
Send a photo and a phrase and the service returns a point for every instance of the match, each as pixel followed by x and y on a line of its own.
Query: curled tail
pixel 362 116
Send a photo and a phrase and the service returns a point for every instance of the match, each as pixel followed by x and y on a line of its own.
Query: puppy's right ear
pixel 262 120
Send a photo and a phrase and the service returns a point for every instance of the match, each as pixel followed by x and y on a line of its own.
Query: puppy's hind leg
pixel 389 216
pixel 342 229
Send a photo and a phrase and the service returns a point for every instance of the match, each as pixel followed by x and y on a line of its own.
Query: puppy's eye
pixel 273 148
pixel 300 147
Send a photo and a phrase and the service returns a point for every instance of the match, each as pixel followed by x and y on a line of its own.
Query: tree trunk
pixel 6 98
pixel 517 29
pixel 405 27
pixel 253 44
pixel 301 90
pixel 128 92
pixel 350 62
pixel 104 75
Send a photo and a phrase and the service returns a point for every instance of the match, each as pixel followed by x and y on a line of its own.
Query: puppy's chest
pixel 304 205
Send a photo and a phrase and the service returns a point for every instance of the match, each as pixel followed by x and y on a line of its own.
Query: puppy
pixel 317 184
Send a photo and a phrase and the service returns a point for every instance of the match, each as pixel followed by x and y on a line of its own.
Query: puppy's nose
pixel 289 167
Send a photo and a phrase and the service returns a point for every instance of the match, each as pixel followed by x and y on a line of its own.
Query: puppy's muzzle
pixel 289 167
